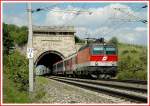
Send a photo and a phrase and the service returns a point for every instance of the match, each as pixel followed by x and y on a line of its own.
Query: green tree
pixel 78 40
pixel 7 39
pixel 18 34
pixel 21 37
pixel 114 41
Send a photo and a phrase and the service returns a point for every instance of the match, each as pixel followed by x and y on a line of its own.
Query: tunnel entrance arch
pixel 52 44
pixel 48 58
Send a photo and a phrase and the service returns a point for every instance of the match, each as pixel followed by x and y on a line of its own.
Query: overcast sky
pixel 96 20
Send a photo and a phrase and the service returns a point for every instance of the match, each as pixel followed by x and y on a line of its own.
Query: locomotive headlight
pixel 96 63
pixel 112 63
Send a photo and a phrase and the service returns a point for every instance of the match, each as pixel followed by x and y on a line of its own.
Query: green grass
pixel 132 62
pixel 15 78
pixel 41 80
pixel 11 94
pixel 40 92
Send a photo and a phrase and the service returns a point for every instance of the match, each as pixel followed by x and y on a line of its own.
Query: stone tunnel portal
pixel 49 58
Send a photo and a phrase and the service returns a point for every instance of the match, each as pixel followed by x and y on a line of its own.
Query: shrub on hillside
pixel 127 75
pixel 14 35
pixel 141 75
pixel 132 63
pixel 114 41
pixel 17 70
pixel 124 75
pixel 125 52
pixel 133 51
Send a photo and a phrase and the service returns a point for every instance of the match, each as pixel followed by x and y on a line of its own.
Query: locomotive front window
pixel 110 50
pixel 98 50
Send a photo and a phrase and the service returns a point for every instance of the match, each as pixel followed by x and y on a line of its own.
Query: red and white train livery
pixel 95 59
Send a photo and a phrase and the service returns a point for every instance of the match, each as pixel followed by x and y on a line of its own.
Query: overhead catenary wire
pixel 81 11
pixel 58 10
pixel 114 29
pixel 124 22
pixel 132 17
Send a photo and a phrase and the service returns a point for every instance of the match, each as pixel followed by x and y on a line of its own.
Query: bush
pixel 125 52
pixel 134 51
pixel 7 40
pixel 141 75
pixel 17 69
pixel 11 94
pixel 15 78
pixel 132 62
pixel 78 40
pixel 138 75
pixel 14 35
pixel 124 75
pixel 114 41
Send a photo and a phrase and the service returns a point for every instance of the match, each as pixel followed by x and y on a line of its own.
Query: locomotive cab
pixel 103 60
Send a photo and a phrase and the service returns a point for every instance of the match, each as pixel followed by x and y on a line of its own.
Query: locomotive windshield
pixel 103 50
pixel 110 50
pixel 98 50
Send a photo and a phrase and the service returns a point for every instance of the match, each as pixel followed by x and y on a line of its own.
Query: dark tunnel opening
pixel 48 59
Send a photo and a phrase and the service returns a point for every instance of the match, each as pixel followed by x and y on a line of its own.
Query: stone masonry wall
pixel 64 44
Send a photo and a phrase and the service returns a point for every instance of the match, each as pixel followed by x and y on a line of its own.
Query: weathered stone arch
pixel 60 39
pixel 52 44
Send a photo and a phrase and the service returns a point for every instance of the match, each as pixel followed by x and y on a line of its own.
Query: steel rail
pixel 134 96
pixel 120 85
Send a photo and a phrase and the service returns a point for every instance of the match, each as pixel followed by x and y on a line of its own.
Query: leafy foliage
pixel 19 35
pixel 16 68
pixel 15 78
pixel 78 40
pixel 11 94
pixel 7 40
pixel 114 41
pixel 132 62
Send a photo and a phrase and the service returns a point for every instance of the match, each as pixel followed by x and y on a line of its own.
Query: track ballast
pixel 130 91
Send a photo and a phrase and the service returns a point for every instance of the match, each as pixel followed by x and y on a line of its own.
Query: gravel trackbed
pixel 57 92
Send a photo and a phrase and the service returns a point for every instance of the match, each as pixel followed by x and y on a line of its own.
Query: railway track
pixel 142 82
pixel 131 91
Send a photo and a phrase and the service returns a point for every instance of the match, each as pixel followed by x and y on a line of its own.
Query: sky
pixel 95 19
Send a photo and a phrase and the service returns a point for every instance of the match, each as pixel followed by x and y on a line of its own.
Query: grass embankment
pixel 132 62
pixel 15 78
pixel 11 93
pixel 40 85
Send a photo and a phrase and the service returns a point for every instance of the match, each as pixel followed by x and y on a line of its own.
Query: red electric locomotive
pixel 98 60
